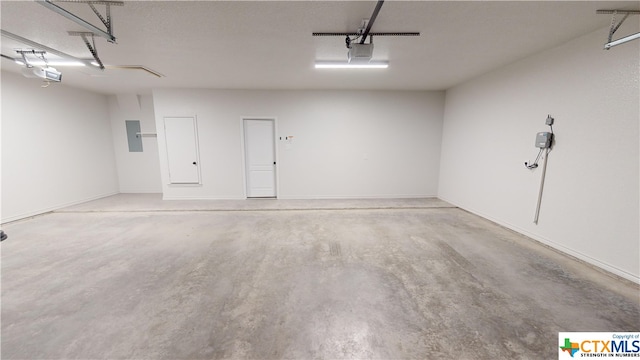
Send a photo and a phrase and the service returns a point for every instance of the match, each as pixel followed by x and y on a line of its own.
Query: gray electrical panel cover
pixel 133 135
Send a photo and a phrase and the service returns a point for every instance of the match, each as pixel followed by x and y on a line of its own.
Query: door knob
pixel 194 163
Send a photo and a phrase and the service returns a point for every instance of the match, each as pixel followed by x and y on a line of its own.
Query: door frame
pixel 244 152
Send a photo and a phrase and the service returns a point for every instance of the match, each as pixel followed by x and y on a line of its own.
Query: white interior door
pixel 182 150
pixel 259 142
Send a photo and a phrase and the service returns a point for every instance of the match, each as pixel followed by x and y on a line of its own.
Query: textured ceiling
pixel 268 44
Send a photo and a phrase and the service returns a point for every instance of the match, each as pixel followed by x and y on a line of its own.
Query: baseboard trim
pixel 561 248
pixel 140 191
pixel 312 197
pixel 340 197
pixel 164 197
pixel 54 208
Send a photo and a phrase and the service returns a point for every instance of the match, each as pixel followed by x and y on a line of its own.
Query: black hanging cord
pixel 535 163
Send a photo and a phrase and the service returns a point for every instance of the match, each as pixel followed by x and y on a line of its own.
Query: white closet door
pixel 182 150
pixel 259 141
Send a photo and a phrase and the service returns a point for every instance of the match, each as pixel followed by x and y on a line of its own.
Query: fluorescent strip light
pixel 52 63
pixel 346 65
pixel 621 41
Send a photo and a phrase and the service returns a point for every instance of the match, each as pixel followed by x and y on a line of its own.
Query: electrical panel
pixel 133 135
pixel 543 140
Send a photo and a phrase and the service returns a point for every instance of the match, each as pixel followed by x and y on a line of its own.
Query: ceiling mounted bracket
pixel 615 26
pixel 365 30
pixel 36 53
pixel 106 20
pixel 90 45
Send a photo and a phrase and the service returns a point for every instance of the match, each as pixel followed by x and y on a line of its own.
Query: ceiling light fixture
pixel 32 57
pixel 50 63
pixel 351 65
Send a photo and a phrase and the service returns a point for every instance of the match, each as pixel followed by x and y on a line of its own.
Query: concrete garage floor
pixel 131 276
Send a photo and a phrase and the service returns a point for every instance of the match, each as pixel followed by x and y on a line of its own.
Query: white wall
pixel 591 194
pixel 347 144
pixel 56 147
pixel 138 172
